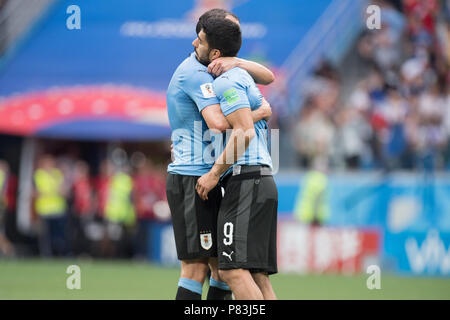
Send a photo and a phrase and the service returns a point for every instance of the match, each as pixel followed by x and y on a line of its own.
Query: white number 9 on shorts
pixel 228 233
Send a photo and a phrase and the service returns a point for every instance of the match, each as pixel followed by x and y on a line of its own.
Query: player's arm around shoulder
pixel 257 71
pixel 264 112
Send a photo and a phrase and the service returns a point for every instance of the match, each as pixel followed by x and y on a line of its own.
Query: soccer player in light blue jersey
pixel 193 109
pixel 247 219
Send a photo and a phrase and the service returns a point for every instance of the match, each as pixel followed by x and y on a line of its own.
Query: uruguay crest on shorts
pixel 206 240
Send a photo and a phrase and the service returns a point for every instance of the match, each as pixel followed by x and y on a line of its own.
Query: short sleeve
pixel 200 89
pixel 232 96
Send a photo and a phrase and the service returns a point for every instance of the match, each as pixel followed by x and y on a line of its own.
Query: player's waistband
pixel 247 172
pixel 261 169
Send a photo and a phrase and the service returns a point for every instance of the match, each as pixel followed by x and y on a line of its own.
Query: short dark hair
pixel 215 13
pixel 221 34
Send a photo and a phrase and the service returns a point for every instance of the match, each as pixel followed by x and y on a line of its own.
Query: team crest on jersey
pixel 206 240
pixel 207 90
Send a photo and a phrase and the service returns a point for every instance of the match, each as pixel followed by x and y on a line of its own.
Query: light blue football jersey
pixel 236 89
pixel 189 92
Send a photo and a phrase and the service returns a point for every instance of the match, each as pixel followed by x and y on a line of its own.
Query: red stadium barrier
pixel 306 249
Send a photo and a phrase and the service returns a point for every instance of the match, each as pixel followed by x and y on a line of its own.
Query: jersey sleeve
pixel 200 89
pixel 232 96
pixel 258 95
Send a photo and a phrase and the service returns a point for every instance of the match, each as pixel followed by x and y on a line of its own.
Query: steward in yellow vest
pixel 311 206
pixel 119 206
pixel 49 183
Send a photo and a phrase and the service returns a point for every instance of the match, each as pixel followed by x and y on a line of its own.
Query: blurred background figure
pixel 102 186
pixel 120 215
pixel 149 189
pixel 82 209
pixel 6 205
pixel 314 132
pixel 96 230
pixel 51 206
pixel 311 207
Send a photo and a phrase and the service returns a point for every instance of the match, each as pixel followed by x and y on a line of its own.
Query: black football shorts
pixel 247 222
pixel 194 220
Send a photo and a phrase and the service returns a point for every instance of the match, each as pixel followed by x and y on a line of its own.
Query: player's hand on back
pixel 221 65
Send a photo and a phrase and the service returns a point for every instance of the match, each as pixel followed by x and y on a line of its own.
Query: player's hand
pixel 221 65
pixel 266 109
pixel 205 184
pixel 171 153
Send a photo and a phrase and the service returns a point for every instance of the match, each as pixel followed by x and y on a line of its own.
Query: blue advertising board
pixel 418 253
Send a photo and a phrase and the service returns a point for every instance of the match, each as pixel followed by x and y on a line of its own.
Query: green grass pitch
pixel 46 279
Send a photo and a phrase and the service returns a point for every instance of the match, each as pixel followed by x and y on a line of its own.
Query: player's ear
pixel 214 54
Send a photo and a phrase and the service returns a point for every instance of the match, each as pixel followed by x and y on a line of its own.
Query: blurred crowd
pixel 398 114
pixel 79 214
pixel 8 187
